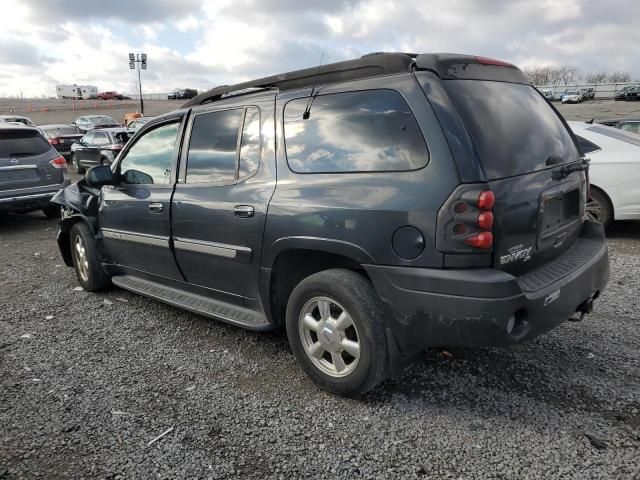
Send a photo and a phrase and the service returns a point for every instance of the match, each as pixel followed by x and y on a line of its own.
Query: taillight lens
pixel 486 200
pixel 59 162
pixel 54 141
pixel 485 220
pixel 482 240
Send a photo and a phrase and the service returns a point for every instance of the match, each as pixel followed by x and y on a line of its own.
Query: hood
pixel 79 197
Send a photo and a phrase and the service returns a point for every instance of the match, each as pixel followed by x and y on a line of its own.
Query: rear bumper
pixel 488 307
pixel 29 198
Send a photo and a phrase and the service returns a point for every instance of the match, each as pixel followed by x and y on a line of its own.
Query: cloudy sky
pixel 202 43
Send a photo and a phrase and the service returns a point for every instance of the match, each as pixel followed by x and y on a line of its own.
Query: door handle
pixel 243 211
pixel 155 207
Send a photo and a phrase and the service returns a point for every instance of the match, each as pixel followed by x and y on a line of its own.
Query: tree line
pixel 568 75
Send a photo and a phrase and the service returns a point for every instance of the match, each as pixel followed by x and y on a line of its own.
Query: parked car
pixel 362 205
pixel 632 95
pixel 182 94
pixel 62 137
pixel 622 93
pixel 139 122
pixel 572 96
pixel 31 171
pixel 614 171
pixel 17 119
pixel 548 94
pixel 89 122
pixel 110 96
pixel 588 93
pixel 98 147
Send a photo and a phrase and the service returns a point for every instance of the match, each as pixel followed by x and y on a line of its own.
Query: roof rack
pixel 370 65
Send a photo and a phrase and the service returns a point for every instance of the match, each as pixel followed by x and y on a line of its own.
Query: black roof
pixel 446 65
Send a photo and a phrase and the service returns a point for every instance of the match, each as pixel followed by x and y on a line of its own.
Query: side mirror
pixel 98 176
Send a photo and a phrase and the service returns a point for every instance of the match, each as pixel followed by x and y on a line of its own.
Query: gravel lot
pixel 87 381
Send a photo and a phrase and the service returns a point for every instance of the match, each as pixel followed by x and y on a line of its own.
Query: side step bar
pixel 235 315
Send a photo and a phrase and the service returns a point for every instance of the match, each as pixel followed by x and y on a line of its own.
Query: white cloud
pixel 213 42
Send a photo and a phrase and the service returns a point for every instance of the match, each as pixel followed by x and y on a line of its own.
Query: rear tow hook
pixel 583 309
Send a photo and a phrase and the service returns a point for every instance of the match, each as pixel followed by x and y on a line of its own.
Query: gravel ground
pixel 88 381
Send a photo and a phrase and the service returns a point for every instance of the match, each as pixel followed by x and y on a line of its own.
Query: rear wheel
pixel 598 208
pixel 75 163
pixel 335 327
pixel 85 259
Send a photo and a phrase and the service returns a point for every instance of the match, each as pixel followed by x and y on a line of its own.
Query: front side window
pixel 365 131
pixel 213 146
pixel 149 160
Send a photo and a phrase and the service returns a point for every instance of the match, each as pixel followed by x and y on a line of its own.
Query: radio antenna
pixel 314 93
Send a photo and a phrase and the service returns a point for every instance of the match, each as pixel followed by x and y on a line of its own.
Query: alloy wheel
pixel 329 336
pixel 80 256
pixel 593 210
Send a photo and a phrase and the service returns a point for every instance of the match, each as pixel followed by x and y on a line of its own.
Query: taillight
pixel 59 162
pixel 465 221
pixel 483 240
pixel 54 141
pixel 494 62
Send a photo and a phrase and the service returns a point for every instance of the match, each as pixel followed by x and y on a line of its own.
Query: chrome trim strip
pixel 210 248
pixel 18 167
pixel 27 197
pixel 154 240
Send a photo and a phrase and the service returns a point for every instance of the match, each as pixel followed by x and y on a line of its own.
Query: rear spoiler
pixel 451 66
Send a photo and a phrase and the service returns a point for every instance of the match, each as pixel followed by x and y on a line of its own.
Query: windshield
pixel 572 92
pixel 513 127
pixel 103 120
pixel 22 143
pixel 54 132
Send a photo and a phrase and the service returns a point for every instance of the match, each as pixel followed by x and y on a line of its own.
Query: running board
pixel 235 315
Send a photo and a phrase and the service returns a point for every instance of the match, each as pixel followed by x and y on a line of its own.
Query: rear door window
pixel 22 143
pixel 512 125
pixel 212 155
pixel 363 131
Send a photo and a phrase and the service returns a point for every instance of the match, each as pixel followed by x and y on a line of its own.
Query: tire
pixel 51 211
pixel 75 163
pixel 85 259
pixel 599 209
pixel 336 291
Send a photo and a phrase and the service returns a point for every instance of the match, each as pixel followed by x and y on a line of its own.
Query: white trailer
pixel 78 92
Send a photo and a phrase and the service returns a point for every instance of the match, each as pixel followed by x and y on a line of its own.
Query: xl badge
pixel 516 254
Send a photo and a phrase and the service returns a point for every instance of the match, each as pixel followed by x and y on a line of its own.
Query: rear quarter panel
pixel 357 213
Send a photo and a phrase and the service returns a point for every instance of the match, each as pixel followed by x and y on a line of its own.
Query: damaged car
pixel 363 206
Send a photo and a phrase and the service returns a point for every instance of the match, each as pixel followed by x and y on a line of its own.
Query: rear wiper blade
pixel 564 172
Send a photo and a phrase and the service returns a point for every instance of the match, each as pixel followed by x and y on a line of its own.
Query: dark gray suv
pixel 31 170
pixel 373 207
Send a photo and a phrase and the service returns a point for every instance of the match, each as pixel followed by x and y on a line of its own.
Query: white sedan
pixel 614 172
pixel 572 96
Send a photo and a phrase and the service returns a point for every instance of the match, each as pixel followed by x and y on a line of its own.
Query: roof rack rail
pixel 245 91
pixel 367 66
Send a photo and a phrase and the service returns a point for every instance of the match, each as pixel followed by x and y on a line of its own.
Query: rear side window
pixel 213 146
pixel 250 144
pixel 365 131
pixel 513 127
pixel 22 143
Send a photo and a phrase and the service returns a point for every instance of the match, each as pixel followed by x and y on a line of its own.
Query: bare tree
pixel 619 77
pixel 596 77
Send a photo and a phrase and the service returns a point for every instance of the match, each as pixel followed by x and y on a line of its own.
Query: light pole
pixel 138 61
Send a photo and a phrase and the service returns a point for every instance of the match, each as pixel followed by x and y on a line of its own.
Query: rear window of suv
pixel 22 143
pixel 363 131
pixel 512 126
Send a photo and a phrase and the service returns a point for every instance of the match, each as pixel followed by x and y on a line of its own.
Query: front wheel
pixel 86 262
pixel 335 326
